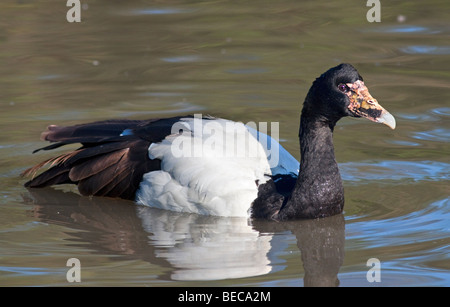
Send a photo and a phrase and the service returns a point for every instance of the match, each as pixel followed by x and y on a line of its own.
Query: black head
pixel 340 92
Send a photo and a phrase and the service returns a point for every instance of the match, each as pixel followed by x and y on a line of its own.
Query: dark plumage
pixel 107 164
pixel 318 191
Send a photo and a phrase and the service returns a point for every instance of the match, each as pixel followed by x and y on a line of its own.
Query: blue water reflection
pixel 407 29
pixel 395 170
pixel 158 11
pixel 426 49
pixel 428 224
pixel 438 135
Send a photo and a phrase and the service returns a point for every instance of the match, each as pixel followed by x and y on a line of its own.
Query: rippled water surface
pixel 246 61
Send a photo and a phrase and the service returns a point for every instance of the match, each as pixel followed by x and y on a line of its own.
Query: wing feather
pixel 109 162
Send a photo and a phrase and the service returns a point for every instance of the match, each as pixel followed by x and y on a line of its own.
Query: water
pixel 244 62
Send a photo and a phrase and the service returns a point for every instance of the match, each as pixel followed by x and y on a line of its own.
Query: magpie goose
pixel 214 166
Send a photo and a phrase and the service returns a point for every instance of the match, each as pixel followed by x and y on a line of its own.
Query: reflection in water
pixel 394 170
pixel 427 225
pixel 193 247
pixel 321 244
pixel 205 247
pixel 423 49
pixel 404 29
pixel 438 135
pixel 154 11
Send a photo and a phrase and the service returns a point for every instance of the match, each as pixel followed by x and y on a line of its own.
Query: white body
pixel 214 167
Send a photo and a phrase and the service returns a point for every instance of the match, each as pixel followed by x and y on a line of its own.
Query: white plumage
pixel 209 166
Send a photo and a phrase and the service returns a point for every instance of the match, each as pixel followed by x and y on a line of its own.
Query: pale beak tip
pixel 387 119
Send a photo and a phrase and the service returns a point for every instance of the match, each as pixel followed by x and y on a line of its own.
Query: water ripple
pixel 27 271
pixel 177 107
pixel 437 135
pixel 406 29
pixel 248 70
pixel 417 117
pixel 182 59
pixel 426 49
pixel 430 223
pixel 444 111
pixel 403 143
pixel 395 170
pixel 156 11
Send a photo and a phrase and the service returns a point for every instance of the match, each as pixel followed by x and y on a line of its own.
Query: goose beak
pixel 362 104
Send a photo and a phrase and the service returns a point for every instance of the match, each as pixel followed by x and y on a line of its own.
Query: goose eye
pixel 342 87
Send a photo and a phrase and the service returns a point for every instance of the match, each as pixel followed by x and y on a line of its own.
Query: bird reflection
pixel 321 244
pixel 190 246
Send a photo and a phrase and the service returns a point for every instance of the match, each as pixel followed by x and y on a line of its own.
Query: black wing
pixel 111 161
